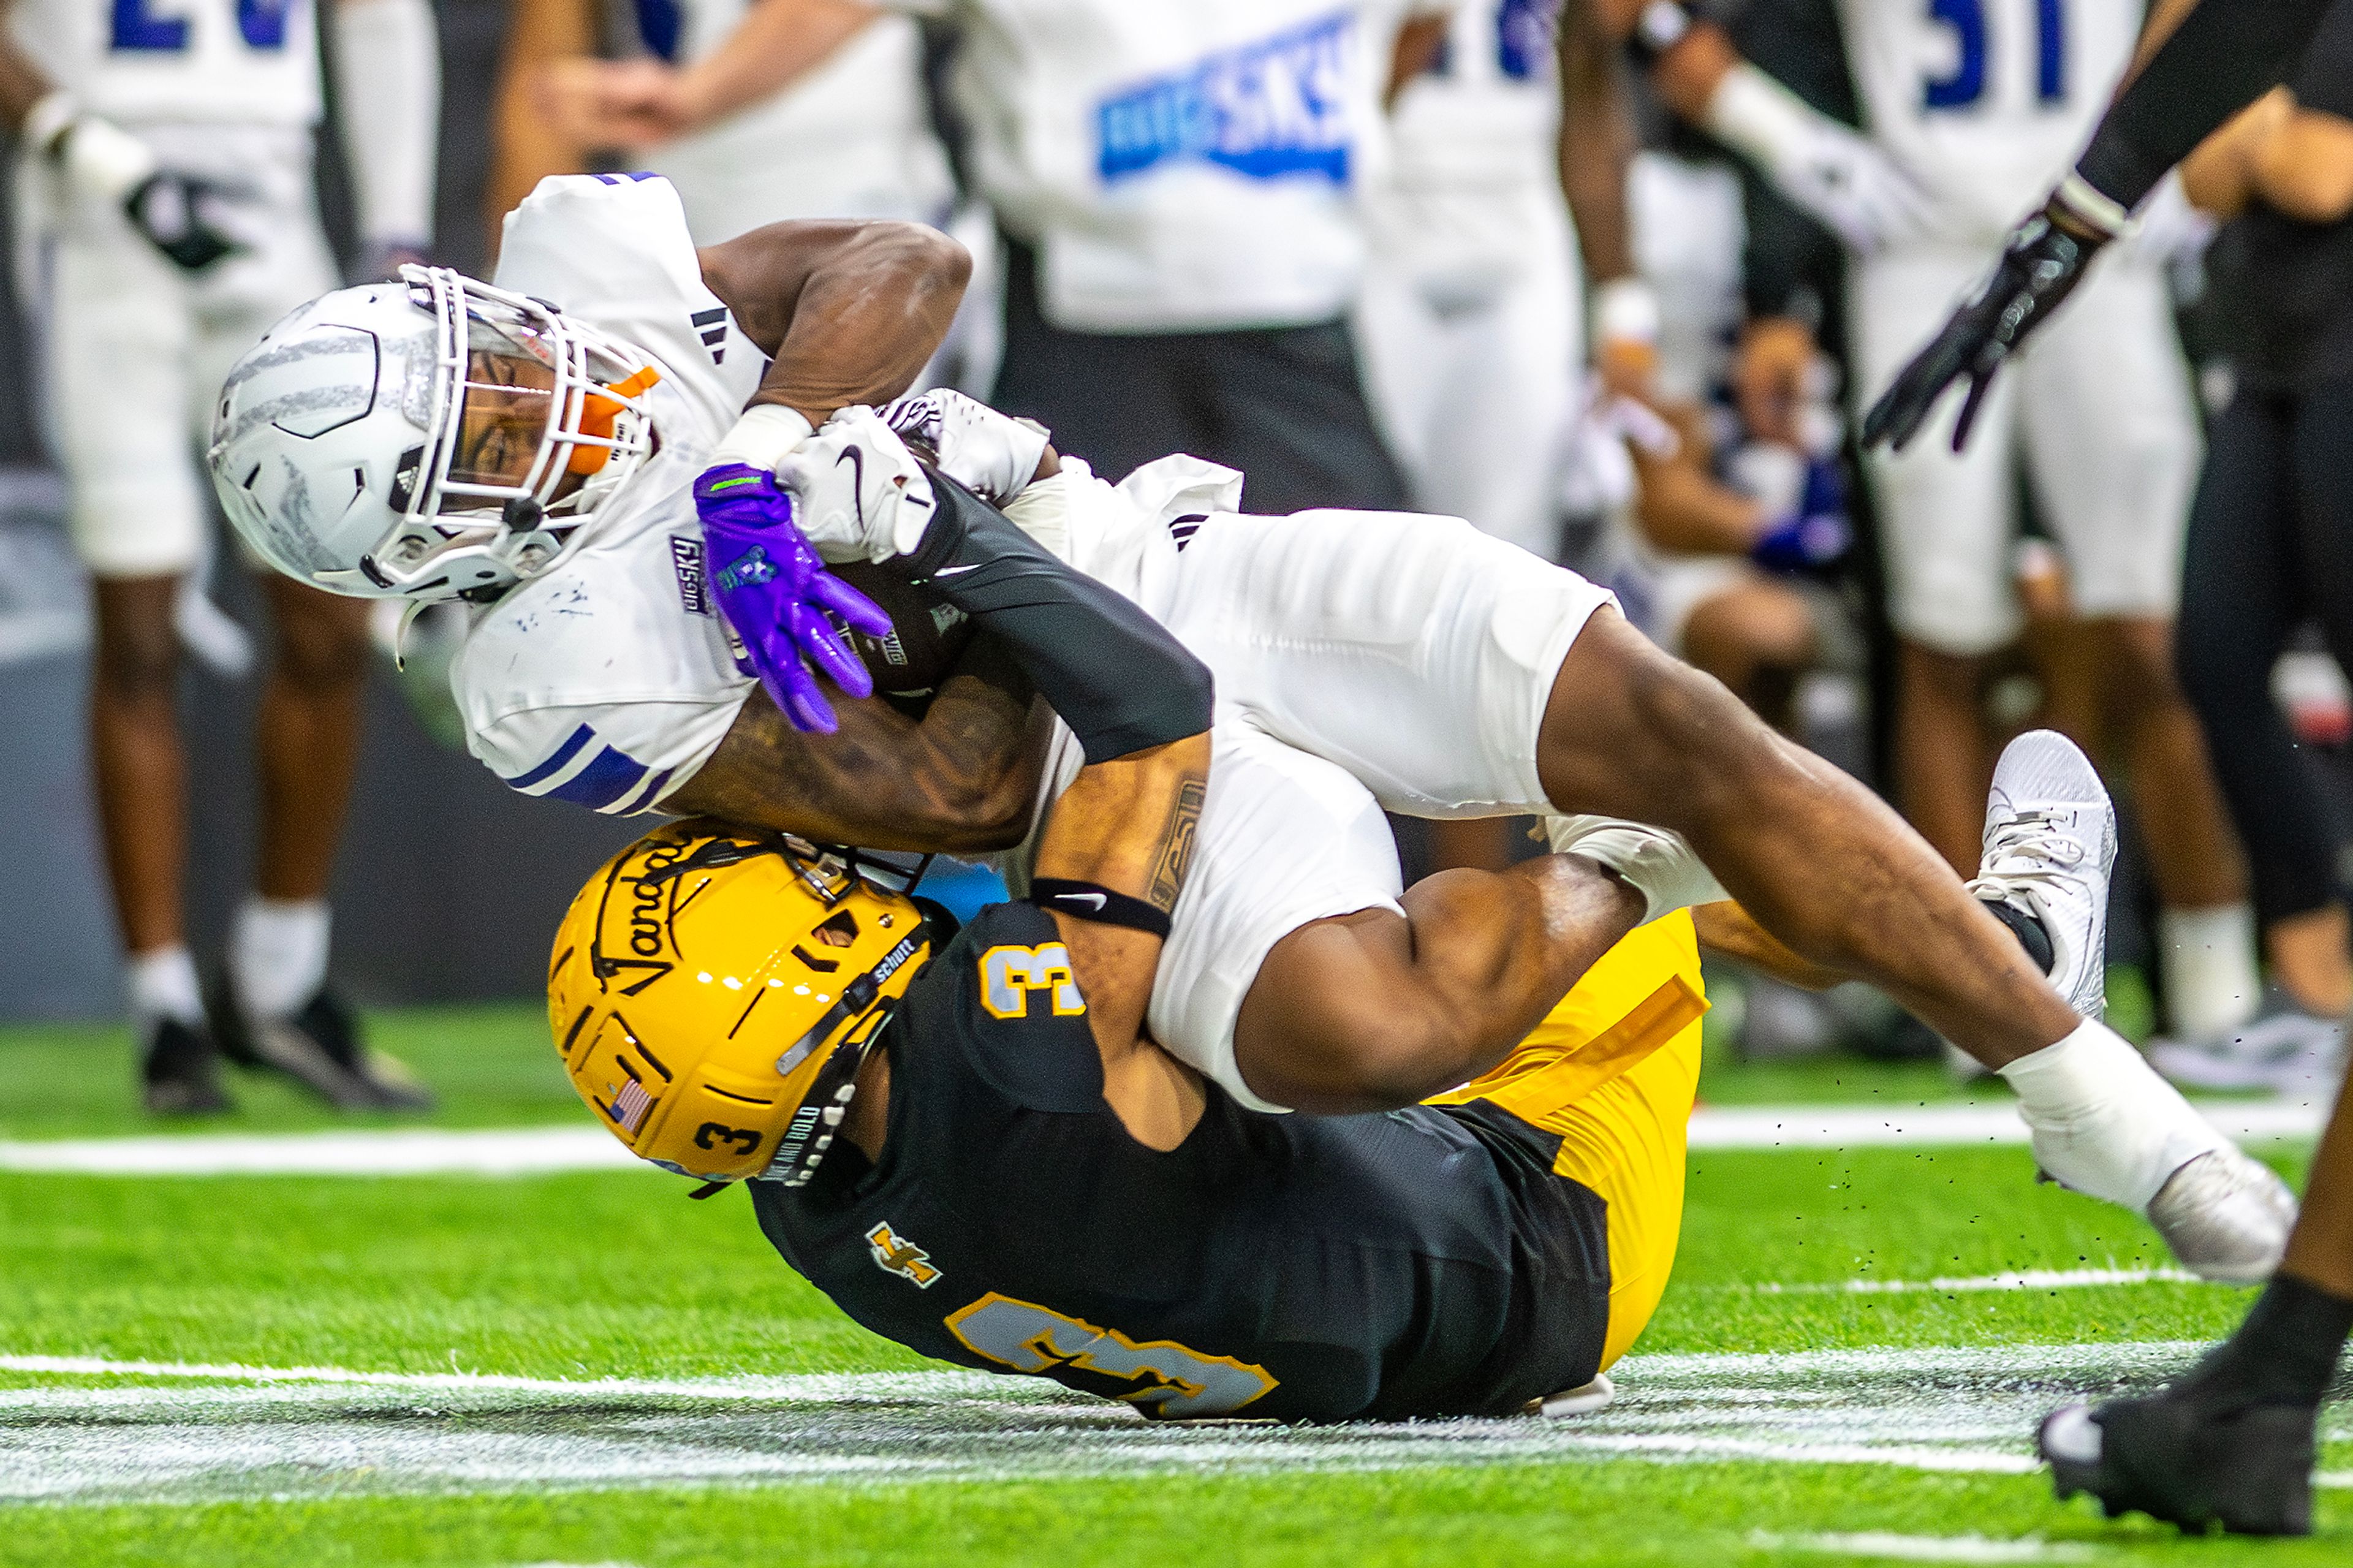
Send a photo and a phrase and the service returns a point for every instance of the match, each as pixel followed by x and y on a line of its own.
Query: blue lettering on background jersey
pixel 1264 110
pixel 1523 37
pixel 263 22
pixel 138 30
pixel 659 22
pixel 1966 84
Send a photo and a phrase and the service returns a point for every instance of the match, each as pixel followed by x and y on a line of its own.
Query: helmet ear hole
pixel 840 930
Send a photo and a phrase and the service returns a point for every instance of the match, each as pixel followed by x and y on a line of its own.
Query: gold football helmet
pixel 713 991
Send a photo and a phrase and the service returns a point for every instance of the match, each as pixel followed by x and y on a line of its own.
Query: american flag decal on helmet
pixel 629 1107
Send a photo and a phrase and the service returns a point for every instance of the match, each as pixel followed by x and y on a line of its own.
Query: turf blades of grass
pixel 1615 1513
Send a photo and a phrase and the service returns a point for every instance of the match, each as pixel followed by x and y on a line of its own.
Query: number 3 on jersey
pixel 158 27
pixel 1965 84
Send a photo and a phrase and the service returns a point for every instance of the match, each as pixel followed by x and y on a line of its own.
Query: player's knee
pixel 2145 670
pixel 136 661
pixel 320 656
pixel 1698 740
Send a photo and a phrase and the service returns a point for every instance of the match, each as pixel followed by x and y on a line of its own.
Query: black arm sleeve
pixel 1117 678
pixel 2224 56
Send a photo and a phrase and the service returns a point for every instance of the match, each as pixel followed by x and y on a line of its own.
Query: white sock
pixel 1655 862
pixel 2101 1122
pixel 163 984
pixel 2211 982
pixel 278 954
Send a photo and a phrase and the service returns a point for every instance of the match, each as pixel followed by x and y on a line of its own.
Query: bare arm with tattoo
pixel 1127 824
pixel 961 780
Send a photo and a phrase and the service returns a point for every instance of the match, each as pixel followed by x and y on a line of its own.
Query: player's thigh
pixel 1414 651
pixel 1945 517
pixel 1285 840
pixel 1613 1072
pixel 118 335
pixel 2111 440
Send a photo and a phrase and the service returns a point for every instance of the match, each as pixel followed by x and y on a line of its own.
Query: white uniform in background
pixel 607 680
pixel 1181 167
pixel 1471 317
pixel 852 139
pixel 135 347
pixel 1984 104
pixel 1689 230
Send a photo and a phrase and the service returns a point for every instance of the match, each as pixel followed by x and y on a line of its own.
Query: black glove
pixel 2040 265
pixel 170 209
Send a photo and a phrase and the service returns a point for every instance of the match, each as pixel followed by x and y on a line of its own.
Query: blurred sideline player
pixel 1717 544
pixel 1471 313
pixel 1470 319
pixel 172 210
pixel 1970 116
pixel 599 669
pixel 847 135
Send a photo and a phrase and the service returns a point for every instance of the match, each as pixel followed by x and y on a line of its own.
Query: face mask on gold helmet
pixel 713 991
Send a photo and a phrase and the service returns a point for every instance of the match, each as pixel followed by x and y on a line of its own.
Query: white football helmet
pixel 426 438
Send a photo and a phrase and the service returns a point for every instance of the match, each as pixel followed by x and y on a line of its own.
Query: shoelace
pixel 2030 848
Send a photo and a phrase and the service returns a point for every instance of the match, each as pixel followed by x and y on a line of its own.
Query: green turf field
pixel 584 1367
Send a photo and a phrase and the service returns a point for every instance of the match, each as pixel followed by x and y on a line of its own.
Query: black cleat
pixel 179 1072
pixel 319 1048
pixel 2249 1469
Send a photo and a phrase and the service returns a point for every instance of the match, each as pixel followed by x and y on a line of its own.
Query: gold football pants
pixel 1613 1070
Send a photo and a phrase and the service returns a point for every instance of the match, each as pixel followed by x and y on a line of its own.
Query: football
pixel 927 636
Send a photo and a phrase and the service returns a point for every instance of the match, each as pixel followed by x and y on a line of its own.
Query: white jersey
pixel 1181 167
pixel 584 683
pixel 852 139
pixel 1986 102
pixel 1486 113
pixel 146 62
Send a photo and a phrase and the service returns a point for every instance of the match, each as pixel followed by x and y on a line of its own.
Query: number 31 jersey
pixel 163 61
pixel 1986 102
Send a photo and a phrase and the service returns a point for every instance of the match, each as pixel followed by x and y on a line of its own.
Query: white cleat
pixel 2049 849
pixel 2103 1122
pixel 2226 1215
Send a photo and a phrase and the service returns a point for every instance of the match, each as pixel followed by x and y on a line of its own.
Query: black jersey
pixel 1425 1262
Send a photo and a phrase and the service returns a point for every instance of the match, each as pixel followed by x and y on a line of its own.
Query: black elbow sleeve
pixel 1114 674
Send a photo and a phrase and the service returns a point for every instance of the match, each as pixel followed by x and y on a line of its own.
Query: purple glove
pixel 776 594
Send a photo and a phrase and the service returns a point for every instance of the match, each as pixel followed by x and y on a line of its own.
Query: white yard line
pixel 1862 1126
pixel 408 1151
pixel 1926 1548
pixel 226 1429
pixel 542 1151
pixel 2016 1279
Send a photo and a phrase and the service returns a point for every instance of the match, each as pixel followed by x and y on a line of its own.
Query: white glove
pixel 993 455
pixel 2169 228
pixel 1835 173
pixel 858 493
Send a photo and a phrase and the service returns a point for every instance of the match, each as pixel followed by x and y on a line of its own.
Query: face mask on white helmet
pixel 427 439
